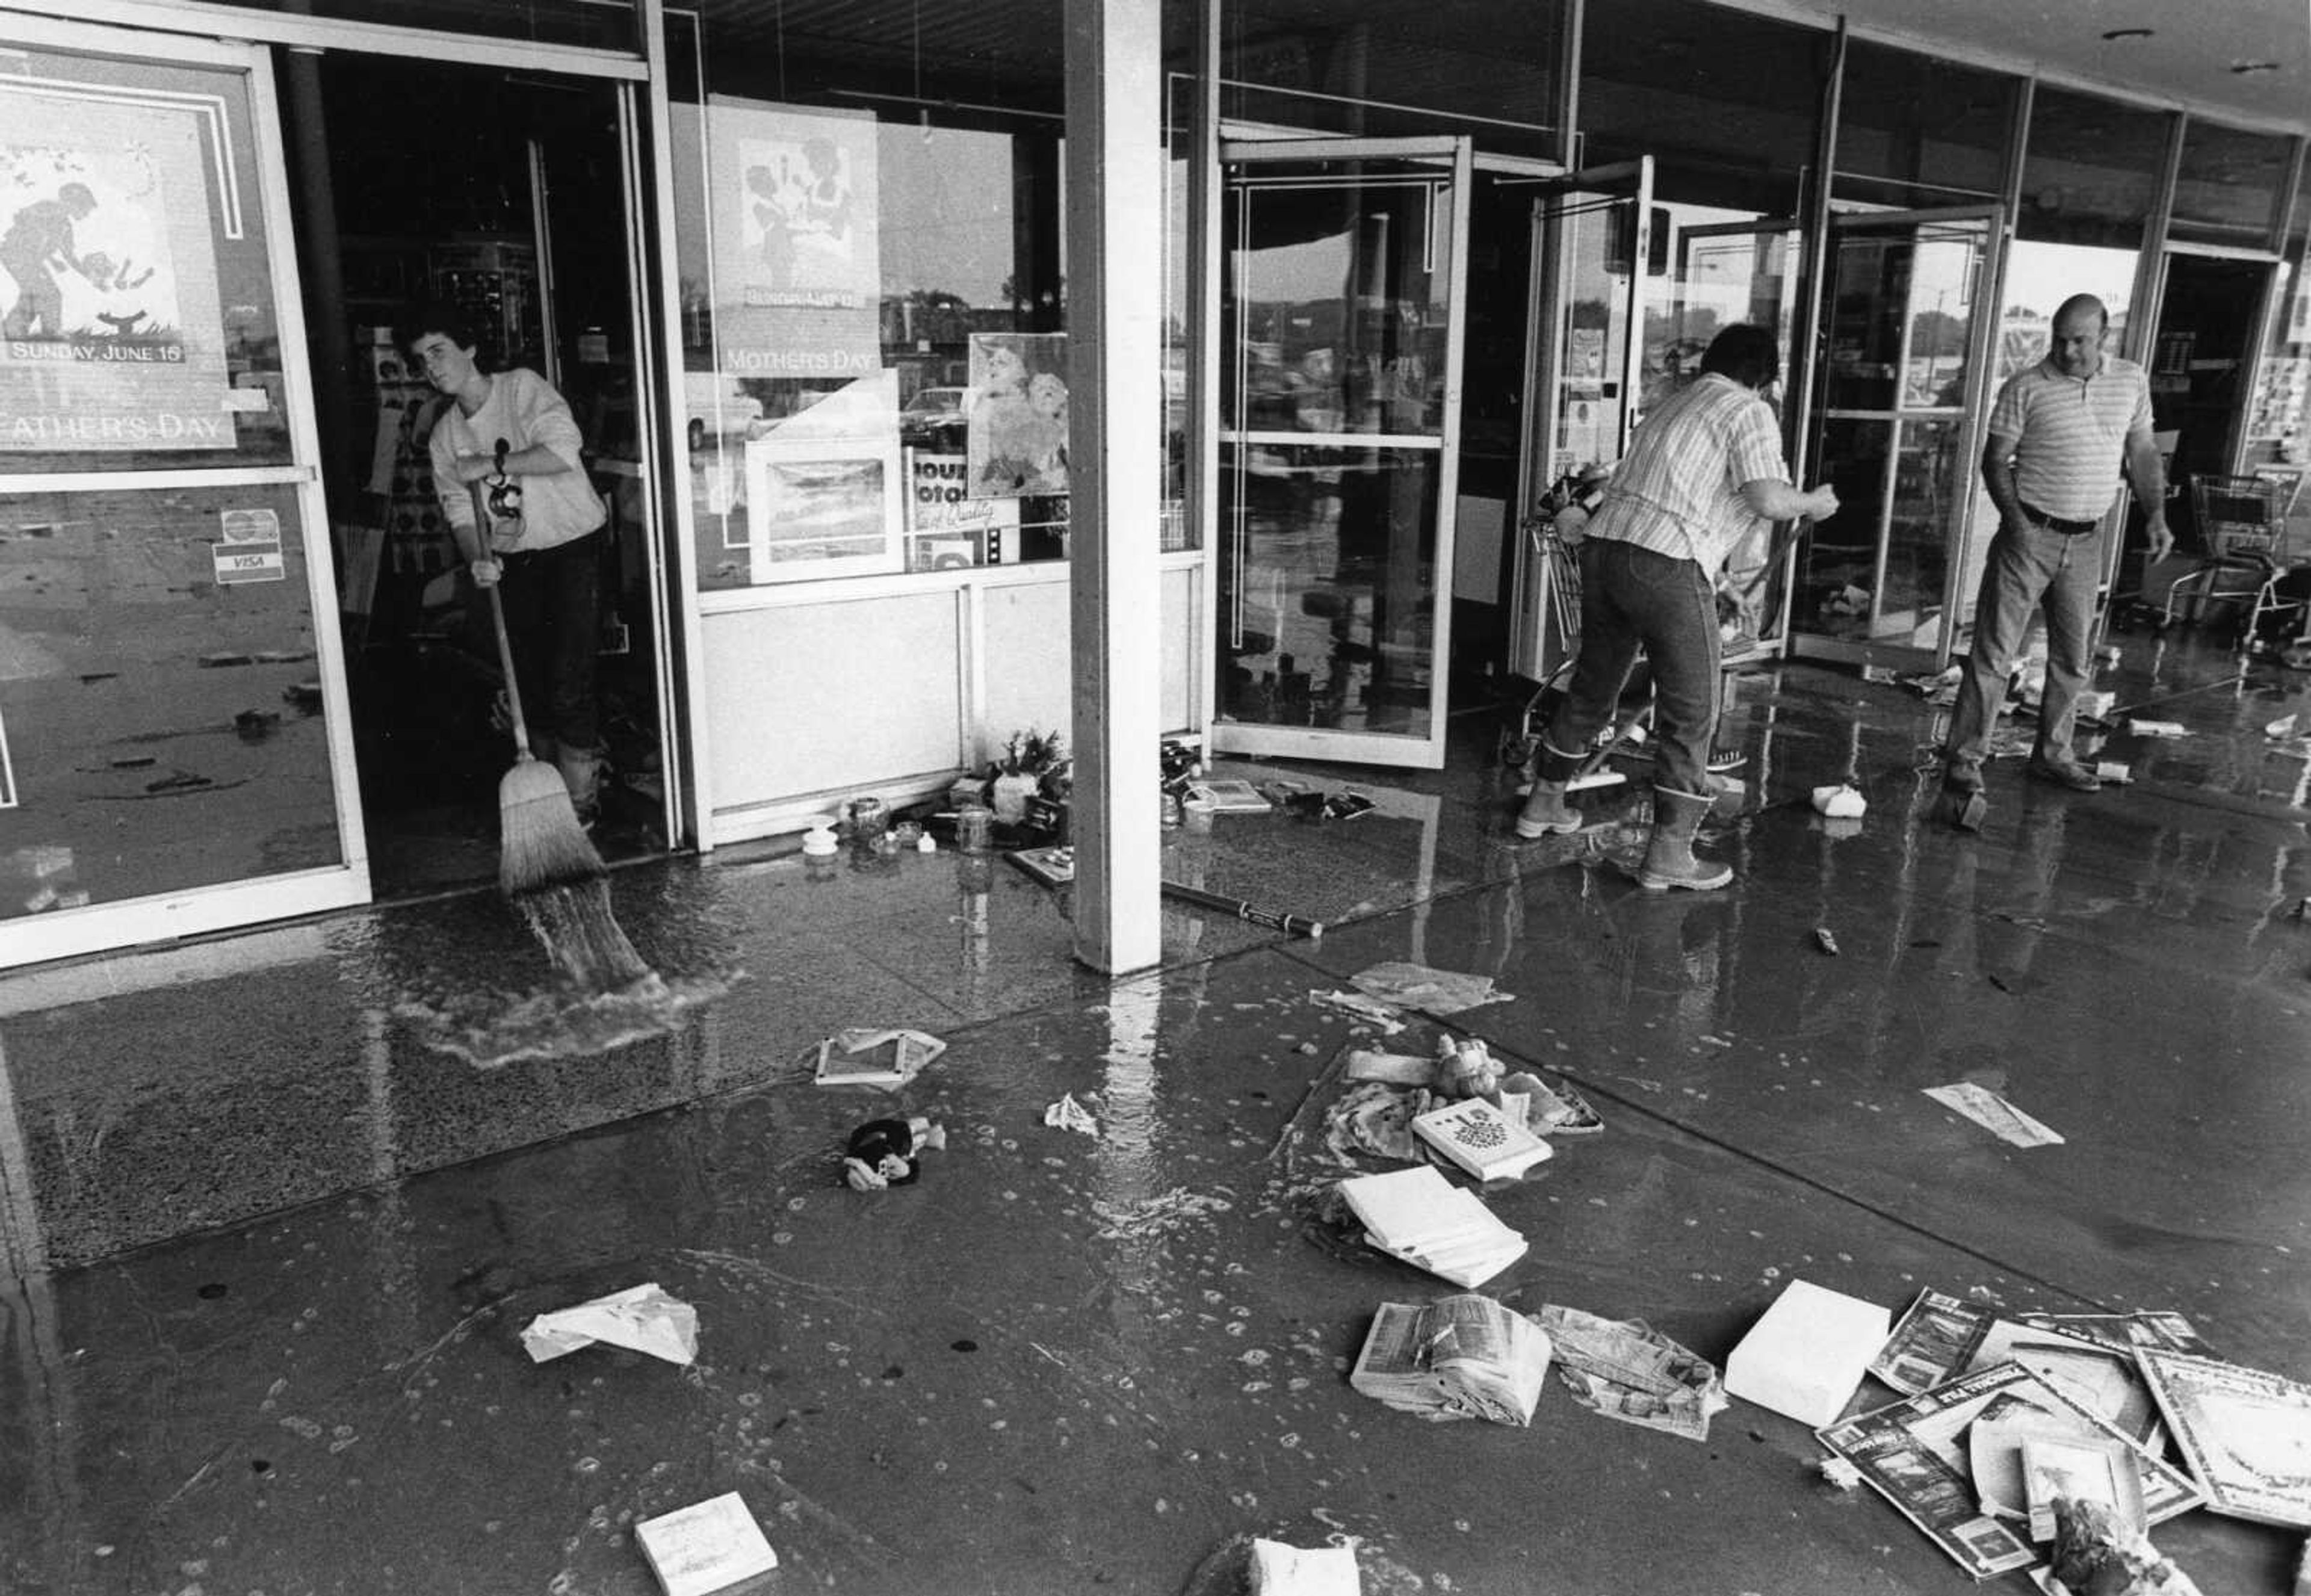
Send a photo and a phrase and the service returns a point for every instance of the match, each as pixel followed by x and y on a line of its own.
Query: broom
pixel 541 843
pixel 545 864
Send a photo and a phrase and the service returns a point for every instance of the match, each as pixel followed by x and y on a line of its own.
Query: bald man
pixel 2062 434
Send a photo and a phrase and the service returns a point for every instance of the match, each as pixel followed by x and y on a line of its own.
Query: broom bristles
pixel 541 843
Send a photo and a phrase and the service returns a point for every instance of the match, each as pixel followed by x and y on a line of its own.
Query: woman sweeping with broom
pixel 541 546
pixel 513 488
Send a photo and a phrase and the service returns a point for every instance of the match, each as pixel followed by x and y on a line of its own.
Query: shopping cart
pixel 2242 524
pixel 1555 572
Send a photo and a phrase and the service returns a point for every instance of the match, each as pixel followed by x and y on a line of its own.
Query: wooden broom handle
pixel 497 621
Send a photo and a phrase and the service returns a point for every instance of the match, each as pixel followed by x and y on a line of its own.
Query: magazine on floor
pixel 1463 1357
pixel 2245 1433
pixel 1916 1454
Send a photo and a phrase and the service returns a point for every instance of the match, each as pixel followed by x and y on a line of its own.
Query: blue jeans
pixel 2035 569
pixel 553 623
pixel 1631 598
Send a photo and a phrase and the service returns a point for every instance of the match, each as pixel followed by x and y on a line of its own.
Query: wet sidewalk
pixel 277 1206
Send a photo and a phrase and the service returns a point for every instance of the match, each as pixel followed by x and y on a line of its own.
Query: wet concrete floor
pixel 275 1206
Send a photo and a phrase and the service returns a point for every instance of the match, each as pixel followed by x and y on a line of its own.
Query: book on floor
pixel 1481 1138
pixel 1418 1215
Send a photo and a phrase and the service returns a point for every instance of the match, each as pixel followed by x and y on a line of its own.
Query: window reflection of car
pixel 719 408
pixel 934 419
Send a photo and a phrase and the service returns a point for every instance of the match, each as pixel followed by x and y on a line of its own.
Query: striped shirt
pixel 2068 434
pixel 1678 492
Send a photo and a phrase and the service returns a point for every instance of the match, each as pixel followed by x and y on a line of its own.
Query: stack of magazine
pixel 1462 1356
pixel 1420 1216
pixel 2006 1414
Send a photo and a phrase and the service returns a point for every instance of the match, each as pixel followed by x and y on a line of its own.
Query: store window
pixel 1725 102
pixel 2227 188
pixel 870 237
pixel 598 24
pixel 1916 132
pixel 164 727
pixel 2278 428
pixel 1375 68
pixel 1728 104
pixel 2091 171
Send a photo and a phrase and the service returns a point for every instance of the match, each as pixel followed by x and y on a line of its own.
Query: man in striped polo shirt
pixel 2060 434
pixel 1704 468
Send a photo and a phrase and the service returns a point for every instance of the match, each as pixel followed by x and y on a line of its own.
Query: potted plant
pixel 1028 757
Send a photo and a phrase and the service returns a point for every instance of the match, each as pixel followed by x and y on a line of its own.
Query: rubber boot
pixel 1546 812
pixel 1669 853
pixel 582 773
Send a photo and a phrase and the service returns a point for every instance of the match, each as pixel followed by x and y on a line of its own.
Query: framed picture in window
pixel 823 507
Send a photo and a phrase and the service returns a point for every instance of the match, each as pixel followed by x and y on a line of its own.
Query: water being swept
pixel 573 921
pixel 489 1030
pixel 607 996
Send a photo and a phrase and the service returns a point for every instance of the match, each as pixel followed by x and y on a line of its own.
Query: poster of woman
pixel 1015 437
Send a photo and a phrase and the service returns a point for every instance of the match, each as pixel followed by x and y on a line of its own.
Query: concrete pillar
pixel 1114 169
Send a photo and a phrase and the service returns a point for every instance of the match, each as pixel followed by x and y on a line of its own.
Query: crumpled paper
pixel 1840 801
pixel 642 1318
pixel 1068 1114
pixel 1629 1371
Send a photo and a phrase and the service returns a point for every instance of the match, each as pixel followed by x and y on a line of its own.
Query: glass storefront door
pixel 1592 241
pixel 1896 428
pixel 174 751
pixel 1341 313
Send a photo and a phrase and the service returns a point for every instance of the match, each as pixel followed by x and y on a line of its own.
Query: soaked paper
pixel 1628 1370
pixel 1993 1113
pixel 642 1319
pixel 1417 986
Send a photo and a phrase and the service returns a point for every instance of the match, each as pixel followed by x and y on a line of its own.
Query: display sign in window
pixel 137 325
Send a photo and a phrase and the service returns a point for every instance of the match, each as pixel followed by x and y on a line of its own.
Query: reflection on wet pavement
pixel 275 1208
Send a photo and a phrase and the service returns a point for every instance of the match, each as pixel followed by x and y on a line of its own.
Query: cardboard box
pixel 1807 1354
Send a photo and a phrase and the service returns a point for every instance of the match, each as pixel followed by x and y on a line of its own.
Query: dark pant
pixel 1632 598
pixel 553 611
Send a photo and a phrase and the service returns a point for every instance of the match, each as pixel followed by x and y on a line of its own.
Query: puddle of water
pixel 489 1032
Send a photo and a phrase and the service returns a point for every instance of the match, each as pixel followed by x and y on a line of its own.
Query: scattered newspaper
pixel 1993 1113
pixel 1626 1370
pixel 1915 1453
pixel 1417 986
pixel 1463 1357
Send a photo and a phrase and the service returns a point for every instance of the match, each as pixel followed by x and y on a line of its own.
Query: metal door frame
pixel 1455 156
pixel 1546 334
pixel 226 904
pixel 1974 418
